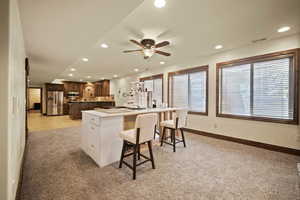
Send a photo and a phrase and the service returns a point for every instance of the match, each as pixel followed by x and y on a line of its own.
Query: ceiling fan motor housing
pixel 148 43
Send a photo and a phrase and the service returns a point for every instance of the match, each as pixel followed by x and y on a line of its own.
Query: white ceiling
pixel 59 34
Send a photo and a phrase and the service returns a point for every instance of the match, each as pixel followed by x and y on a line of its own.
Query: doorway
pixel 35 100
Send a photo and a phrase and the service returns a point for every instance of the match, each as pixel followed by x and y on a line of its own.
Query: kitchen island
pixel 100 131
pixel 75 107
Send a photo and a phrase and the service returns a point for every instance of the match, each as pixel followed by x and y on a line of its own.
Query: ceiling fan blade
pixel 162 44
pixel 162 53
pixel 137 43
pixel 129 51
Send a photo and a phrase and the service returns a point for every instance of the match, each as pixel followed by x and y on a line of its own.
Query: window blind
pixel 271 93
pixel 180 91
pixel 155 86
pixel 148 84
pixel 197 91
pixel 235 90
pixel 158 90
pixel 260 89
pixel 189 90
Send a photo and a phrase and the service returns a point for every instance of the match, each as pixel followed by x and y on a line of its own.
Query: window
pixel 259 88
pixel 155 84
pixel 189 89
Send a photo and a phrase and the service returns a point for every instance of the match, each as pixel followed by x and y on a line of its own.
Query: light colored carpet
pixel 56 169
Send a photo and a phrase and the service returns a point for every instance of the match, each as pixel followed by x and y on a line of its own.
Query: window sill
pixel 197 113
pixel 262 119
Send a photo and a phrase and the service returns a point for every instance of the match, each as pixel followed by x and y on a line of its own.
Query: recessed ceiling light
pixel 218 47
pixel 115 75
pixel 70 74
pixel 136 69
pixel 85 59
pixel 73 69
pixel 159 3
pixel 89 77
pixel 104 45
pixel 162 62
pixel 283 29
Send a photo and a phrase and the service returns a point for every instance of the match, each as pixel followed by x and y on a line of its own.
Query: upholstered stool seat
pixel 168 123
pixel 128 135
pixel 178 123
pixel 143 133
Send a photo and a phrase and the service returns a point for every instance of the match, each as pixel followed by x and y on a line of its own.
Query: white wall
pixel 12 99
pixel 266 132
pixel 4 25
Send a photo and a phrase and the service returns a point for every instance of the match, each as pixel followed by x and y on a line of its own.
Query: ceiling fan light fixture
pixel 148 52
pixel 159 3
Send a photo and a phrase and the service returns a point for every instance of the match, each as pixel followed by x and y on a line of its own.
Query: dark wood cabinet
pixel 86 90
pixel 102 88
pixel 54 87
pixel 98 89
pixel 106 88
pixel 66 108
pixel 73 87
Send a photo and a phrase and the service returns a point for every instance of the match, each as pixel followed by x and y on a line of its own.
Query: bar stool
pixel 179 122
pixel 142 133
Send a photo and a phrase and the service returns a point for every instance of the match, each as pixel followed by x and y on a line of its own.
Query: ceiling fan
pixel 149 47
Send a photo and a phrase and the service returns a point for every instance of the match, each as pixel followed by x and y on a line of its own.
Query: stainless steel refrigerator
pixel 55 102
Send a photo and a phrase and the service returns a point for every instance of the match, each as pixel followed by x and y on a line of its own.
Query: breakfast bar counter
pixel 75 107
pixel 100 131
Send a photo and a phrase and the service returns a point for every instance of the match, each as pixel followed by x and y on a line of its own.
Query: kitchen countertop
pixel 126 111
pixel 91 101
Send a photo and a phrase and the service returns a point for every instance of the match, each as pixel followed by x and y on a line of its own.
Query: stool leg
pixel 174 140
pixel 122 154
pixel 182 135
pixel 139 152
pixel 151 154
pixel 134 161
pixel 162 137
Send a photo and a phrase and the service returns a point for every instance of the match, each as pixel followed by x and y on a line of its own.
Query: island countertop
pixel 91 101
pixel 127 111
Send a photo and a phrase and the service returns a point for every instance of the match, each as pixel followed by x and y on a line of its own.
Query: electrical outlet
pixel 215 125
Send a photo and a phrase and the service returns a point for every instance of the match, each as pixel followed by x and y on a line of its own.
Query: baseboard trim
pixel 270 147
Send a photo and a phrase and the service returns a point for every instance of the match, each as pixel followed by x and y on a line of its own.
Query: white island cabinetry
pixel 99 138
pixel 100 132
